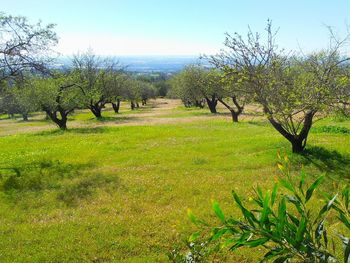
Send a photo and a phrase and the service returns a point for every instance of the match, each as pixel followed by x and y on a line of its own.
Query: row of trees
pixel 91 83
pixel 28 82
pixel 293 90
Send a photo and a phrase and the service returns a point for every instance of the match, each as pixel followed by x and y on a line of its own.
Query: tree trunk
pixel 212 104
pixel 234 115
pixel 199 104
pixel 132 105
pixel 116 106
pixel 298 141
pixel 297 146
pixel 96 110
pixel 25 116
pixel 61 123
pixel 137 105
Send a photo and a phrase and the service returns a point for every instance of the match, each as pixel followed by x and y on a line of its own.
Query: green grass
pixel 121 193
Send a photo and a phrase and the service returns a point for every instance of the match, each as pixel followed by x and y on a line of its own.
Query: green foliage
pixel 195 83
pixel 289 226
pixel 290 89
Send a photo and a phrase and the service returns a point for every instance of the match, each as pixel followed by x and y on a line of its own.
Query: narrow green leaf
pixel 257 242
pixel 286 184
pixel 194 237
pixel 274 194
pixel 218 211
pixel 302 181
pixel 265 210
pixel 347 253
pixel 247 214
pixel 218 234
pixel 311 189
pixel 191 216
pixel 281 216
pixel 301 230
pixel 343 218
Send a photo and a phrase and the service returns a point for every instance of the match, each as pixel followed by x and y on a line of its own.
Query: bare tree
pixel 291 90
pixel 24 46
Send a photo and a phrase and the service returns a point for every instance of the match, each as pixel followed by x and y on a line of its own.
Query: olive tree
pixel 291 90
pixel 25 98
pixel 94 77
pixel 147 91
pixel 58 97
pixel 233 98
pixel 117 85
pixel 196 85
pixel 132 92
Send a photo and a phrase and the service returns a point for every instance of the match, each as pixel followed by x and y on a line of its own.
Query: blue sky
pixel 180 27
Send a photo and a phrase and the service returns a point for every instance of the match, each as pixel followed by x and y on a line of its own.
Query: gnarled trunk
pixel 298 141
pixel 25 116
pixel 96 109
pixel 60 122
pixel 116 106
pixel 234 115
pixel 212 103
pixel 234 112
pixel 132 105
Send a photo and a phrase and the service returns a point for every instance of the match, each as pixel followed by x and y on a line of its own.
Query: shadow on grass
pixel 332 162
pixel 88 130
pixel 84 188
pixel 259 123
pixel 70 183
pixel 38 176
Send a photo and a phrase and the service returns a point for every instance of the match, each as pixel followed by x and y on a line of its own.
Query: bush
pixel 288 226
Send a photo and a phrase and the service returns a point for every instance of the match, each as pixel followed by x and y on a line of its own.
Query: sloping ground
pixel 117 190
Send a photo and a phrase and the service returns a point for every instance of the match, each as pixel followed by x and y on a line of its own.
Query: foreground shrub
pixel 290 227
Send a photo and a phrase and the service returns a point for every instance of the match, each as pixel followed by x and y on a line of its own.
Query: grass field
pixel 118 189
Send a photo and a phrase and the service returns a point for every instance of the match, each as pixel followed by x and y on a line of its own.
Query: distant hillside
pixel 166 64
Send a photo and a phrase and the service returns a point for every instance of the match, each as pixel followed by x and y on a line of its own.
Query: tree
pixel 212 88
pixel 195 85
pixel 7 102
pixel 58 97
pixel 232 91
pixel 132 91
pixel 25 99
pixel 24 46
pixel 291 90
pixel 117 89
pixel 147 91
pixel 94 76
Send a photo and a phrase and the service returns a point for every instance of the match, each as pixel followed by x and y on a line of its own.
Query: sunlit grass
pixel 121 193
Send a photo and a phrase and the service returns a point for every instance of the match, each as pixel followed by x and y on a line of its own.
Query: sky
pixel 180 27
